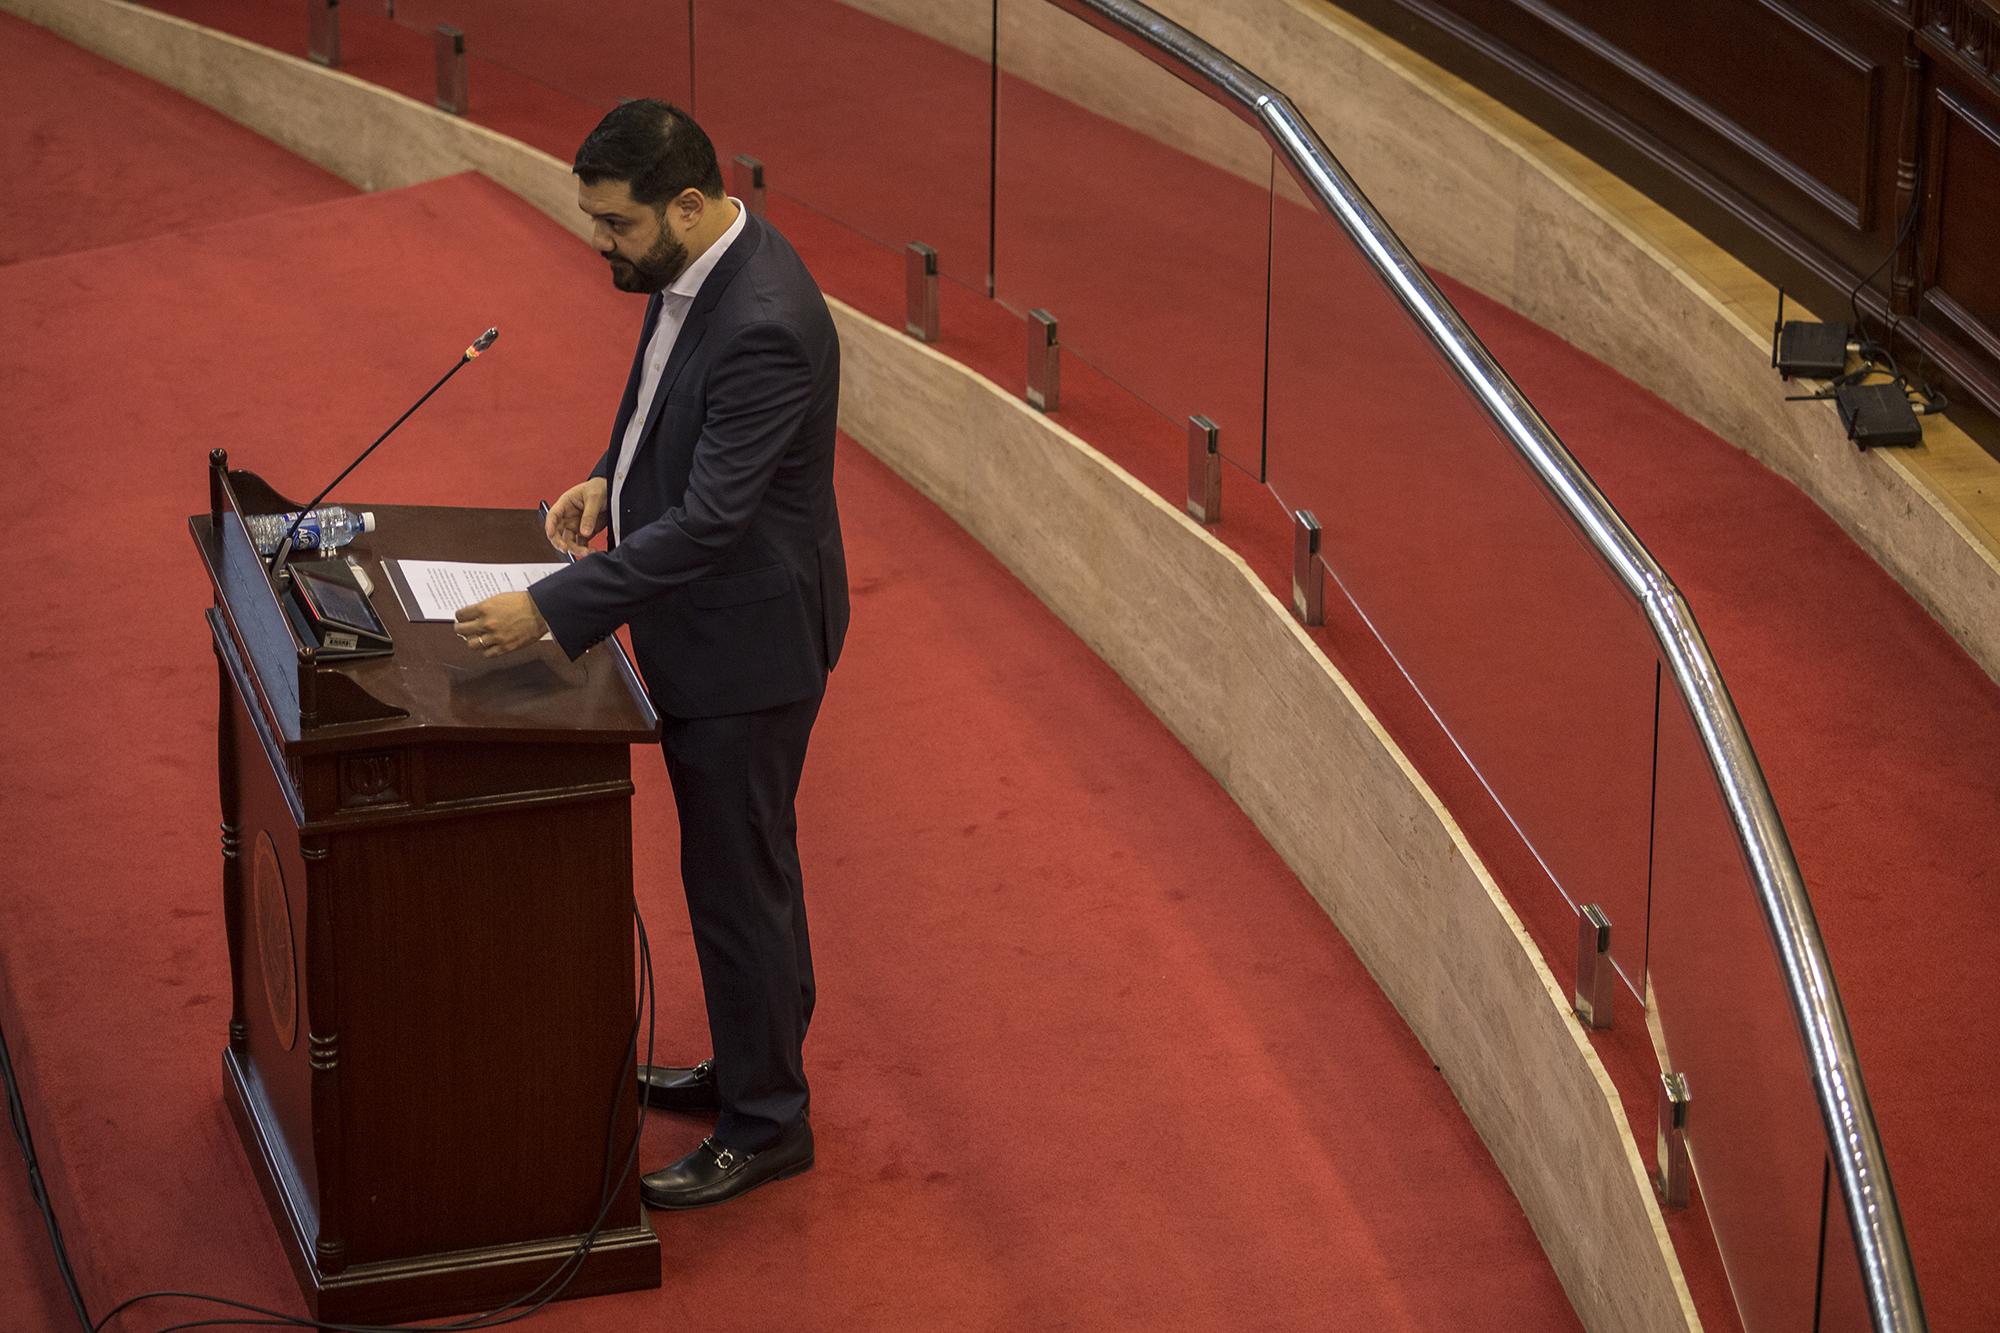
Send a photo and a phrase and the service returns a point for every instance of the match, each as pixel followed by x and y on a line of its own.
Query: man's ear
pixel 688 206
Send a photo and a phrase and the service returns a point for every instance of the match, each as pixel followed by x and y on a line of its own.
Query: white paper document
pixel 436 589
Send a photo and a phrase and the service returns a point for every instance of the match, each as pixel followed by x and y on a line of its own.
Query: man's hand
pixel 502 623
pixel 578 516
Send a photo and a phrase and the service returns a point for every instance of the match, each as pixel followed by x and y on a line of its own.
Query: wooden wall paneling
pixel 1782 106
pixel 1956 268
pixel 1961 279
pixel 1671 174
pixel 1711 120
pixel 1717 63
pixel 1635 117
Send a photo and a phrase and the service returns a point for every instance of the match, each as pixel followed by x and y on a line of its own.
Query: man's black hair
pixel 655 148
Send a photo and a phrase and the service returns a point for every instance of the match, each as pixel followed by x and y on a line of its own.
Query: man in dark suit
pixel 725 559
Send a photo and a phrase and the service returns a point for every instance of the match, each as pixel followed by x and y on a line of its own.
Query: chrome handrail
pixel 1883 1250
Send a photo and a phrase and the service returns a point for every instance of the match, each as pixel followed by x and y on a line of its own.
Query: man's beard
pixel 652 271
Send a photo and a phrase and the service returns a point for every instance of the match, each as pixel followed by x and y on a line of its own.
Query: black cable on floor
pixel 17 1113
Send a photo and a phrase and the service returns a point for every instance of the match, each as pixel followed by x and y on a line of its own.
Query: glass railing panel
pixel 279 27
pixel 1513 630
pixel 1843 1298
pixel 1728 1021
pixel 876 113
pixel 577 50
pixel 1134 210
pixel 425 15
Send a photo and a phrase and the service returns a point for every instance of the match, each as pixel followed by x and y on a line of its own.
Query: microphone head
pixel 481 343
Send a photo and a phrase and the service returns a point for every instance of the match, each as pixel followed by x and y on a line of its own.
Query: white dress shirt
pixel 675 302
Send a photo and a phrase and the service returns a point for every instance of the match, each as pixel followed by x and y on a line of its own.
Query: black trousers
pixel 736 780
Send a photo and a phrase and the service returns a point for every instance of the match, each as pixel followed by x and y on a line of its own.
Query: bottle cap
pixel 368 520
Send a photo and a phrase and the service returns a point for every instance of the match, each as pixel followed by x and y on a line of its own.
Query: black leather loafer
pixel 673 1088
pixel 714 1174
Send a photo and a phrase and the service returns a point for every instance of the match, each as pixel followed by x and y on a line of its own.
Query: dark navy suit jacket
pixel 731 572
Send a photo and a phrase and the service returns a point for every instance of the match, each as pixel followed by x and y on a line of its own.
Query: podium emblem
pixel 370 779
pixel 272 929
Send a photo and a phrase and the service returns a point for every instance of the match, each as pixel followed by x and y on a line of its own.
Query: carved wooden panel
pixel 371 778
pixel 1968 30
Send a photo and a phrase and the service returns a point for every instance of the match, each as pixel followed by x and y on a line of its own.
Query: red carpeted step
pixel 1072 1061
pixel 95 155
pixel 401 56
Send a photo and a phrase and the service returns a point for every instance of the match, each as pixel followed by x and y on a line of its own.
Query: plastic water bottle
pixel 322 530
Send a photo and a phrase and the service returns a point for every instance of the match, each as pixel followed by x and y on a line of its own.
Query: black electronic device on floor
pixel 1875 415
pixel 1805 350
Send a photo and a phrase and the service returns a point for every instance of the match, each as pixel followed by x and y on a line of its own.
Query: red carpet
pixel 1072 1060
pixel 399 56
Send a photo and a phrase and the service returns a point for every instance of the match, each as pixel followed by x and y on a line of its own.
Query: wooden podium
pixel 427 882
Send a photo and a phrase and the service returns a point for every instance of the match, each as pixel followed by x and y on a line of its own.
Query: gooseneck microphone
pixel 284 551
